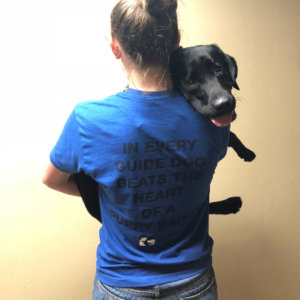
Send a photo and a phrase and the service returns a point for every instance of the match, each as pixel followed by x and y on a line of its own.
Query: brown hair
pixel 146 29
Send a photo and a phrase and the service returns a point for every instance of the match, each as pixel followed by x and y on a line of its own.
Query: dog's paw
pixel 234 204
pixel 247 155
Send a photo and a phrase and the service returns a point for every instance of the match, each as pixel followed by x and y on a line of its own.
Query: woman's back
pixel 153 157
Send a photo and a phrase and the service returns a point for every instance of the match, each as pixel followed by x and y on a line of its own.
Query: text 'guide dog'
pixel 205 76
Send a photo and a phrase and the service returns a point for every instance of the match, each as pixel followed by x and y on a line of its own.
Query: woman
pixel 153 157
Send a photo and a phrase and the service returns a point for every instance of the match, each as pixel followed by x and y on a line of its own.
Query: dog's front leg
pixel 243 152
pixel 229 206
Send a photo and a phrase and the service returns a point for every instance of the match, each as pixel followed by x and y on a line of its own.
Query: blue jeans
pixel 200 287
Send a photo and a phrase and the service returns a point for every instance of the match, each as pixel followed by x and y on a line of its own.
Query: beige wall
pixel 47 251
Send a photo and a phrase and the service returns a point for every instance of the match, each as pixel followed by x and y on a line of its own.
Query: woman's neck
pixel 150 79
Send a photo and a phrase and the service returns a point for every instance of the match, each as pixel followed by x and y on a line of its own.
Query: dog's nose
pixel 224 104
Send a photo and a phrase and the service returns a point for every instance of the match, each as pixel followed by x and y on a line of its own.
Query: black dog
pixel 205 76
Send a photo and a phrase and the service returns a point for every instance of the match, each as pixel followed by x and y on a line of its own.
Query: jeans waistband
pixel 200 281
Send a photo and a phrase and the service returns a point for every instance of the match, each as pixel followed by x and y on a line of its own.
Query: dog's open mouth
pixel 224 120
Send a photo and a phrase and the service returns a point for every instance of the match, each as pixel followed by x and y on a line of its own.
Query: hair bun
pixel 158 7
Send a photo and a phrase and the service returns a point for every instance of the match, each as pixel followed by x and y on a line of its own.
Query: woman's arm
pixel 60 181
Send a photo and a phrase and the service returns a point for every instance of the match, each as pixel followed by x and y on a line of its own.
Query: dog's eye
pixel 191 81
pixel 218 68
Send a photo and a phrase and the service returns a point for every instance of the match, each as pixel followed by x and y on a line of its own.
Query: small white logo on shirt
pixel 146 241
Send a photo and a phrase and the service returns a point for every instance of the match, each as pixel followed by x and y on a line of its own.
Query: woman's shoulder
pixel 90 112
pixel 97 104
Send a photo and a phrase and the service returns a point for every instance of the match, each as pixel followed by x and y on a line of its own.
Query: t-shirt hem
pixel 144 280
pixel 55 164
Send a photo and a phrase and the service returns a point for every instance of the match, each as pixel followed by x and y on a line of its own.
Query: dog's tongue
pixel 223 120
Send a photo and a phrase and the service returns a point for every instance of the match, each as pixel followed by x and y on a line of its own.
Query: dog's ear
pixel 175 65
pixel 233 69
pixel 175 57
pixel 178 50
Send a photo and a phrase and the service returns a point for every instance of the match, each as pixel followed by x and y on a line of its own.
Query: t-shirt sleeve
pixel 66 154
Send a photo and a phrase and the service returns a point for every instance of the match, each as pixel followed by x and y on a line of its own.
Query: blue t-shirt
pixel 153 157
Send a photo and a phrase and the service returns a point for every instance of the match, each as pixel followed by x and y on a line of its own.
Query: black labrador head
pixel 205 76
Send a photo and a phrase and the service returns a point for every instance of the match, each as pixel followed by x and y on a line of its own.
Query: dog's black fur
pixel 205 76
